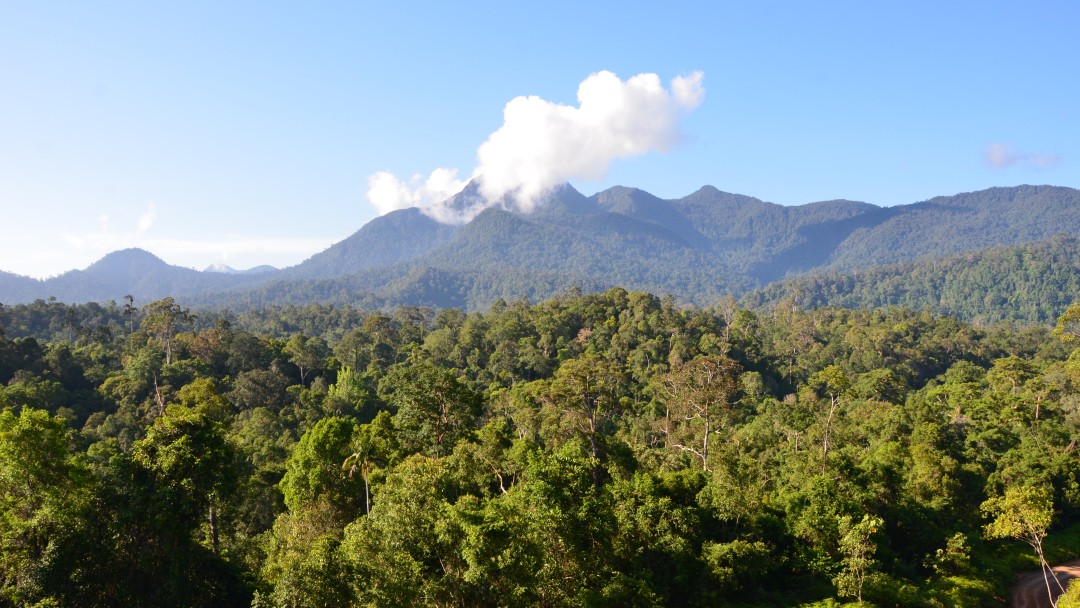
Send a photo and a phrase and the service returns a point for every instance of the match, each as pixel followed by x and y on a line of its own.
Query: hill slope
pixel 1034 282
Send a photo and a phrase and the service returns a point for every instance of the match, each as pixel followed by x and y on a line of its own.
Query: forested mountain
pixel 395 237
pixel 697 248
pixel 611 449
pixel 16 288
pixel 964 222
pixel 1032 283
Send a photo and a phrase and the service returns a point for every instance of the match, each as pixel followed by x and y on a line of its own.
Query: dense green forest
pixel 610 449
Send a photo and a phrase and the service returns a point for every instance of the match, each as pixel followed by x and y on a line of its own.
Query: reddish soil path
pixel 1030 588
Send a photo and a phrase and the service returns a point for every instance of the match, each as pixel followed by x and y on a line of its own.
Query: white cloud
pixel 388 193
pixel 542 144
pixel 689 91
pixel 999 155
pixel 146 220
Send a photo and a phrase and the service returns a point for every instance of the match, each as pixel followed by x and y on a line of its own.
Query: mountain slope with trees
pixel 697 248
pixel 1033 283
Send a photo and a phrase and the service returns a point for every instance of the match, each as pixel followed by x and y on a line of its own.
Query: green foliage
pixel 313 472
pixel 39 484
pixel 1071 597
pixel 161 320
pixel 601 449
pixel 1068 325
pixel 737 564
pixel 188 456
pixel 433 410
pixel 1023 513
pixel 857 549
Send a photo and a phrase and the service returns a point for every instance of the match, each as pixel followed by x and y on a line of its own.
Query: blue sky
pixel 246 133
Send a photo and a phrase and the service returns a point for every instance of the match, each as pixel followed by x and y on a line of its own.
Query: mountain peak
pixel 562 198
pixel 220 267
pixel 126 260
pixel 466 205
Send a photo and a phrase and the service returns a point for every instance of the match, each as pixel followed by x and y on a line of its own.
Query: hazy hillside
pixel 17 288
pixel 130 272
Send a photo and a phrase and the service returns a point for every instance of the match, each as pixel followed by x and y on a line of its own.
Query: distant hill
pixel 17 288
pixel 1034 282
pixel 697 248
pixel 226 269
pixel 127 272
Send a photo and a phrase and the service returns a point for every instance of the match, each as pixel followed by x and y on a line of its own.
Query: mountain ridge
pixel 697 247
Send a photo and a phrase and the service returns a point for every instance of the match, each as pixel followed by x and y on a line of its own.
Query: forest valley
pixel 590 450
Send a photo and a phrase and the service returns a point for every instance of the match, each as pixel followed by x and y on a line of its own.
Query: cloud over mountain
pixel 542 144
pixel 388 193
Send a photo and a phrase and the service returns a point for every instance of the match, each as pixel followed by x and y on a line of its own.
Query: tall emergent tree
pixel 1068 325
pixel 699 398
pixel 162 319
pixel 1024 513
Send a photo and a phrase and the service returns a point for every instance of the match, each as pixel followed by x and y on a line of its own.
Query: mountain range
pixel 697 248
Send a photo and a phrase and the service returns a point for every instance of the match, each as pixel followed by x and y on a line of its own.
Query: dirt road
pixel 1030 588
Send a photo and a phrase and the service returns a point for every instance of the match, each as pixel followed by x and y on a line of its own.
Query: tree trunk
pixel 213 528
pixel 705 446
pixel 825 442
pixel 367 496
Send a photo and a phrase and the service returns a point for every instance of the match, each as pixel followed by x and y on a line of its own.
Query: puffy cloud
pixel 542 144
pixel 1000 155
pixel 146 220
pixel 388 193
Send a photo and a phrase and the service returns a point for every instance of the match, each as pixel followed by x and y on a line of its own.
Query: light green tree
pixel 1068 325
pixel 434 409
pixel 1024 513
pixel 376 447
pixel 857 548
pixel 835 384
pixel 39 484
pixel 1071 597
pixel 187 453
pixel 699 399
pixel 161 320
pixel 307 354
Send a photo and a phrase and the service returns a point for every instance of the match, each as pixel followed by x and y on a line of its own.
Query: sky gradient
pixel 246 133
